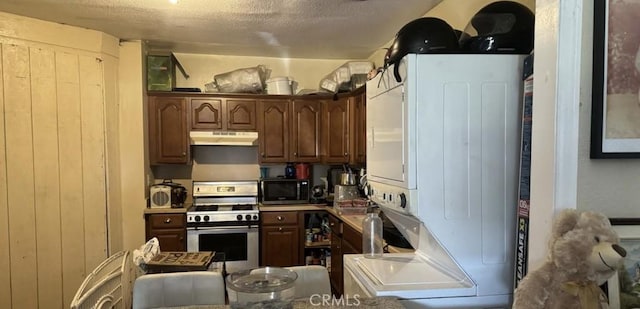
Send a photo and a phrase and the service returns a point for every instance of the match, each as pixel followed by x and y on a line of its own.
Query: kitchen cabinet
pixel 273 130
pixel 280 239
pixel 168 132
pixel 359 145
pixel 344 127
pixel 225 114
pixel 170 229
pixel 305 132
pixel 317 242
pixel 336 121
pixel 289 130
pixel 344 240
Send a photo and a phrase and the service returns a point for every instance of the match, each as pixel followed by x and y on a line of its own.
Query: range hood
pixel 223 138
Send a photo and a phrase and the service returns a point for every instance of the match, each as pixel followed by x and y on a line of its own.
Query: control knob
pixel 206 218
pixel 239 217
pixel 255 217
pixel 248 217
pixel 403 200
pixel 197 218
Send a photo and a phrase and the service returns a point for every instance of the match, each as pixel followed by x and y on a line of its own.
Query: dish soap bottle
pixel 372 236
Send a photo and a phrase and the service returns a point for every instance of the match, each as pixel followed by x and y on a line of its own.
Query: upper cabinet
pixel 223 114
pixel 306 130
pixel 344 127
pixel 289 130
pixel 168 132
pixel 273 130
pixel 359 116
pixel 336 125
pixel 311 129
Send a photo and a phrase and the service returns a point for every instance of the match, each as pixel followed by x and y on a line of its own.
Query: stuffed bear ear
pixel 564 222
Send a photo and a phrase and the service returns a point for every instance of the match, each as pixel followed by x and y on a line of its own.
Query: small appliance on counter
pixel 284 191
pixel 318 195
pixel 167 194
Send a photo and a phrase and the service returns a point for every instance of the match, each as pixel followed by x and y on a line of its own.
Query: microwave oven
pixel 284 191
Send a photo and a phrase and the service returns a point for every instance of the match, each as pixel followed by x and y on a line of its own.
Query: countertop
pixel 355 221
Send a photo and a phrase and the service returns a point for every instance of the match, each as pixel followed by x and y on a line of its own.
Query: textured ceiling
pixel 326 29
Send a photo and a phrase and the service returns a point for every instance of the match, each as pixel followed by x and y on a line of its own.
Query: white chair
pixel 107 286
pixel 312 280
pixel 178 289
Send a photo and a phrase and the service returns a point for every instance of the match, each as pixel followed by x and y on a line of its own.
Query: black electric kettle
pixel 178 193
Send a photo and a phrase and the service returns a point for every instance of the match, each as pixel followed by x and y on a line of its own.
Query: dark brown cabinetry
pixel 359 127
pixel 289 130
pixel 336 255
pixel 337 132
pixel 306 130
pixel 311 129
pixel 170 229
pixel 168 132
pixel 273 127
pixel 344 240
pixel 223 114
pixel 280 239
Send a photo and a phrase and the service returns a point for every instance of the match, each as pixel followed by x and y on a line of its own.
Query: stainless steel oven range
pixel 225 218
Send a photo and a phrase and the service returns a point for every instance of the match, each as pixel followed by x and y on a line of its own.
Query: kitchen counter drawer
pixel 285 217
pixel 167 221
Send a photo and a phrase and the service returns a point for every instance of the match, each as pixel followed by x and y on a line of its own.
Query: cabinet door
pixel 273 128
pixel 306 132
pixel 168 133
pixel 336 264
pixel 170 239
pixel 336 131
pixel 241 115
pixel 206 114
pixel 359 148
pixel 281 245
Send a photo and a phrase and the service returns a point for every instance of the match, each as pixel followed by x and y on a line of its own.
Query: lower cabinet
pixel 344 240
pixel 280 239
pixel 170 229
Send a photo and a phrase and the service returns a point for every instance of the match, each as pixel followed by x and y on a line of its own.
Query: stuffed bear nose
pixel 620 250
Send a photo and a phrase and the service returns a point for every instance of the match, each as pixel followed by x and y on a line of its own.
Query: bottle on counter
pixel 372 241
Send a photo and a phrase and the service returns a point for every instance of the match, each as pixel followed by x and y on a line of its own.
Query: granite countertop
pixel 367 303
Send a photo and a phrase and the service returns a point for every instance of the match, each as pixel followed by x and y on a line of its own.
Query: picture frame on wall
pixel 623 289
pixel 615 115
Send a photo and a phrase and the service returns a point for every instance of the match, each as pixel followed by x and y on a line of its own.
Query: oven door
pixel 239 244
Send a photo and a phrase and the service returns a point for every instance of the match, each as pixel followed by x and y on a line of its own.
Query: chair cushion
pixel 178 289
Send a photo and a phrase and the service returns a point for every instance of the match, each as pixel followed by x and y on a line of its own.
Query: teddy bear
pixel 584 251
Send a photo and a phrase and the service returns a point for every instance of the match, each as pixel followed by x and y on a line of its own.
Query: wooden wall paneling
pixel 46 174
pixel 71 186
pixel 20 185
pixel 93 161
pixel 5 261
pixel 112 155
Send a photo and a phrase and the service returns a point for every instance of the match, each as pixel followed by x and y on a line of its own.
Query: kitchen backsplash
pixel 224 163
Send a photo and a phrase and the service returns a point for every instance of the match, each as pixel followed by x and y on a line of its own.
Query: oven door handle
pixel 231 227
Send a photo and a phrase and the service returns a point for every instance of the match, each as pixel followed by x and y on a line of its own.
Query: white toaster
pixel 160 196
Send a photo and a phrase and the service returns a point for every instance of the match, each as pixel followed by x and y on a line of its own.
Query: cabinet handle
pixel 184 154
pixel 295 154
pixel 332 224
pixel 262 154
pixel 280 218
pixel 280 229
pixel 346 154
pixel 167 220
